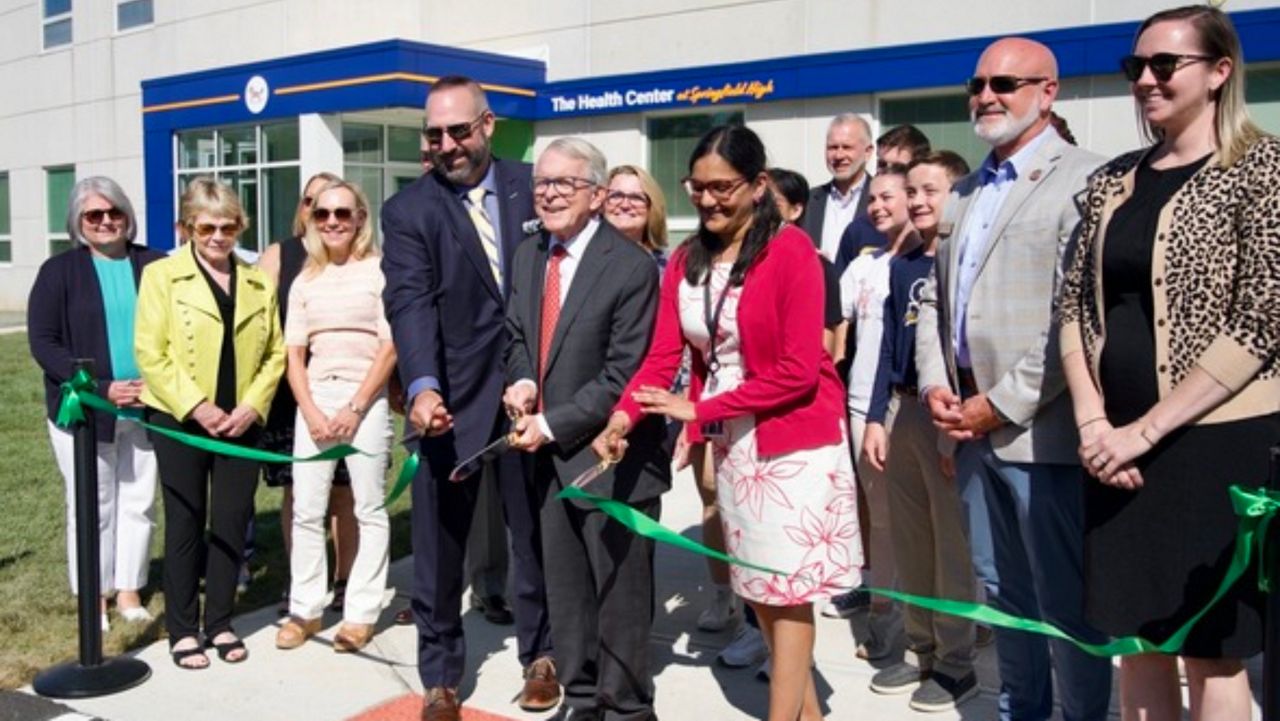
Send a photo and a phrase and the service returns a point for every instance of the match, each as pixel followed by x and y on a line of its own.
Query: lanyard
pixel 712 320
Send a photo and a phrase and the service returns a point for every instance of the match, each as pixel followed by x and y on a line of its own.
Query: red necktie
pixel 550 311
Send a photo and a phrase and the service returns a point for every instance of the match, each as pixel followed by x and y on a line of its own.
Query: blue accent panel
pixel 1081 51
pixel 158 164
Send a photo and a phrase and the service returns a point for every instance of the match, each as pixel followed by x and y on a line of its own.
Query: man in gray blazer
pixel 581 314
pixel 989 370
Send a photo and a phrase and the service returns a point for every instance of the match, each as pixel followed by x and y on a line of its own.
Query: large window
pixel 55 23
pixel 382 159
pixel 259 161
pixel 944 119
pixel 6 227
pixel 58 184
pixel 134 13
pixel 1262 92
pixel 671 140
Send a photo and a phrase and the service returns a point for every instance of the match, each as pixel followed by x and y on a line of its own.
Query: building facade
pixel 263 93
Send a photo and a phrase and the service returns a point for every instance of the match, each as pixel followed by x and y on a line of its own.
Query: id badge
pixel 713 431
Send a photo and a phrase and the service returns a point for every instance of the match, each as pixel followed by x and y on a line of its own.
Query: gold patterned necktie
pixel 484 228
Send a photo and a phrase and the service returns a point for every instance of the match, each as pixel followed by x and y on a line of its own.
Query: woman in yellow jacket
pixel 209 347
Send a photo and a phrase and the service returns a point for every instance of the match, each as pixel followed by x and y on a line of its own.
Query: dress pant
pixel 126 504
pixel 1027 536
pixel 600 594
pixel 442 513
pixel 927 526
pixel 202 489
pixel 486 556
pixel 875 486
pixel 312 482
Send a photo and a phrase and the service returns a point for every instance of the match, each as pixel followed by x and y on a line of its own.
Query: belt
pixel 968 384
pixel 906 390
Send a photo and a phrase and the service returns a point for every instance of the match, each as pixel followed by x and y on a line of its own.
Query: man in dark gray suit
pixel 580 317
pixel 834 204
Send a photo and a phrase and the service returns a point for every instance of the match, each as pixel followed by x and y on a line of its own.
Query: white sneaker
pixel 136 614
pixel 724 608
pixel 746 649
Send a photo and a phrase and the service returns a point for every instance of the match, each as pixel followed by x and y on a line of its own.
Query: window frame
pixel 47 20
pixel 133 28
pixel 60 234
pixel 6 223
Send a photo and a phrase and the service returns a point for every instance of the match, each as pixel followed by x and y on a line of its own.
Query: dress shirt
pixel 574 248
pixel 996 182
pixel 493 209
pixel 837 215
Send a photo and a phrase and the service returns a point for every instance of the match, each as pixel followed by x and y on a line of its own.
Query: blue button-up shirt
pixel 996 180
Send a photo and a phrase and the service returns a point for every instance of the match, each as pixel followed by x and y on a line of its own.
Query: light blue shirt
pixel 491 208
pixel 995 182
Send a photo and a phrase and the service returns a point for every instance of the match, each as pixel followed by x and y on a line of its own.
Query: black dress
pixel 1155 556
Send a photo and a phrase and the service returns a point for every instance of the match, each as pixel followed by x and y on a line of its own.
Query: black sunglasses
pixel 1163 65
pixel 342 215
pixel 458 131
pixel 97 216
pixel 1000 84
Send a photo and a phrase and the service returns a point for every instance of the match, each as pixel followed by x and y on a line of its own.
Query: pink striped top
pixel 338 314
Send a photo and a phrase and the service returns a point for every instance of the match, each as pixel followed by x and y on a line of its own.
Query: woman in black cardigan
pixel 82 306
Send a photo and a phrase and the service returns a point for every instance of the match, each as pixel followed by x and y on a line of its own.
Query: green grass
pixel 37 610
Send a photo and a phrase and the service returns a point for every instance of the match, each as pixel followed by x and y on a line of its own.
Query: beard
pixel 1007 129
pixel 464 173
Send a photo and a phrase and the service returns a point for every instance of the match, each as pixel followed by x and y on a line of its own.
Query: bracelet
pixel 1090 422
pixel 351 406
pixel 1143 432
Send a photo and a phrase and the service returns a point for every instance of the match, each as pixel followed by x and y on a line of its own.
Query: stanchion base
pixel 71 680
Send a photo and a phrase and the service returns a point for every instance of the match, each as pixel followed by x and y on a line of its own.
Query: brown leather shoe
pixel 352 637
pixel 541 690
pixel 440 704
pixel 295 632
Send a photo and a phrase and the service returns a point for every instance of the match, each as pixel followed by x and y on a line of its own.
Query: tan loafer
pixel 352 637
pixel 295 632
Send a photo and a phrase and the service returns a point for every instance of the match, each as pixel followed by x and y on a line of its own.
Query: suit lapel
pixel 250 294
pixel 590 268
pixel 509 189
pixel 533 321
pixel 464 231
pixel 200 298
pixel 1042 165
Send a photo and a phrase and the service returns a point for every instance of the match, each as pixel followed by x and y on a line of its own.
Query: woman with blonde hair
pixel 1170 318
pixel 340 358
pixel 208 348
pixel 635 205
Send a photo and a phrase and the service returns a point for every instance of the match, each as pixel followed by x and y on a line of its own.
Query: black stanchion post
pixel 1271 644
pixel 90 675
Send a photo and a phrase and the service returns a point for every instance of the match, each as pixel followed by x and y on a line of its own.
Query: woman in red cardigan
pixel 766 398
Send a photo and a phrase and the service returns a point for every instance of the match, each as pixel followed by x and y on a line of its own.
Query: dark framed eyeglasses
pixel 617 199
pixel 342 215
pixel 458 131
pixel 563 185
pixel 1001 84
pixel 1163 65
pixel 208 230
pixel 95 217
pixel 721 190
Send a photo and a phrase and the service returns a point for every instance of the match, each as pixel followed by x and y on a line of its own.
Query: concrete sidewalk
pixel 316 684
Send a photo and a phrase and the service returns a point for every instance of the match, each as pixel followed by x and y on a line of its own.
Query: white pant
pixel 311 484
pixel 126 501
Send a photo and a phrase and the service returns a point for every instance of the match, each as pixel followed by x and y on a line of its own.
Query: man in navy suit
pixel 448 243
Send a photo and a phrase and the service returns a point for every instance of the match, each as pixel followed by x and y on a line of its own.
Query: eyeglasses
pixel 458 131
pixel 95 217
pixel 617 199
pixel 884 166
pixel 208 230
pixel 1000 84
pixel 565 185
pixel 342 215
pixel 721 190
pixel 1163 65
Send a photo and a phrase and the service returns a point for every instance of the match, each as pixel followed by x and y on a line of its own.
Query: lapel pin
pixel 1035 175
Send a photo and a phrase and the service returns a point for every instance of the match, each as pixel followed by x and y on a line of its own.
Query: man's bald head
pixel 1012 117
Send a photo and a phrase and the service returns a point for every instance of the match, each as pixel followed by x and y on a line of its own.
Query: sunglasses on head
pixel 97 216
pixel 1000 84
pixel 1163 65
pixel 342 215
pixel 458 131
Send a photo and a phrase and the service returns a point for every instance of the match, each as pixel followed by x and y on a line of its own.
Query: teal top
pixel 119 300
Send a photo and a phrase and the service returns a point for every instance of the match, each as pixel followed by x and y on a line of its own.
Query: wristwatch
pixel 351 406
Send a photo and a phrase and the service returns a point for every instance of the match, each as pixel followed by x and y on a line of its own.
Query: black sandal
pixel 186 653
pixel 226 649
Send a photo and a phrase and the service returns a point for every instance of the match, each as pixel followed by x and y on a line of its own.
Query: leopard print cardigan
pixel 1215 277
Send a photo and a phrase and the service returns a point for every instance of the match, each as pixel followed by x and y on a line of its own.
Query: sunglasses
pixel 95 217
pixel 721 190
pixel 342 215
pixel 1000 84
pixel 458 131
pixel 617 199
pixel 208 230
pixel 1163 65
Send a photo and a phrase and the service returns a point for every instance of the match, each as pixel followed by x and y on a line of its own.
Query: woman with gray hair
pixel 82 306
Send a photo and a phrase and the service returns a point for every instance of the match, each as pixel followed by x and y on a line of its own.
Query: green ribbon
pixel 1255 508
pixel 79 393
